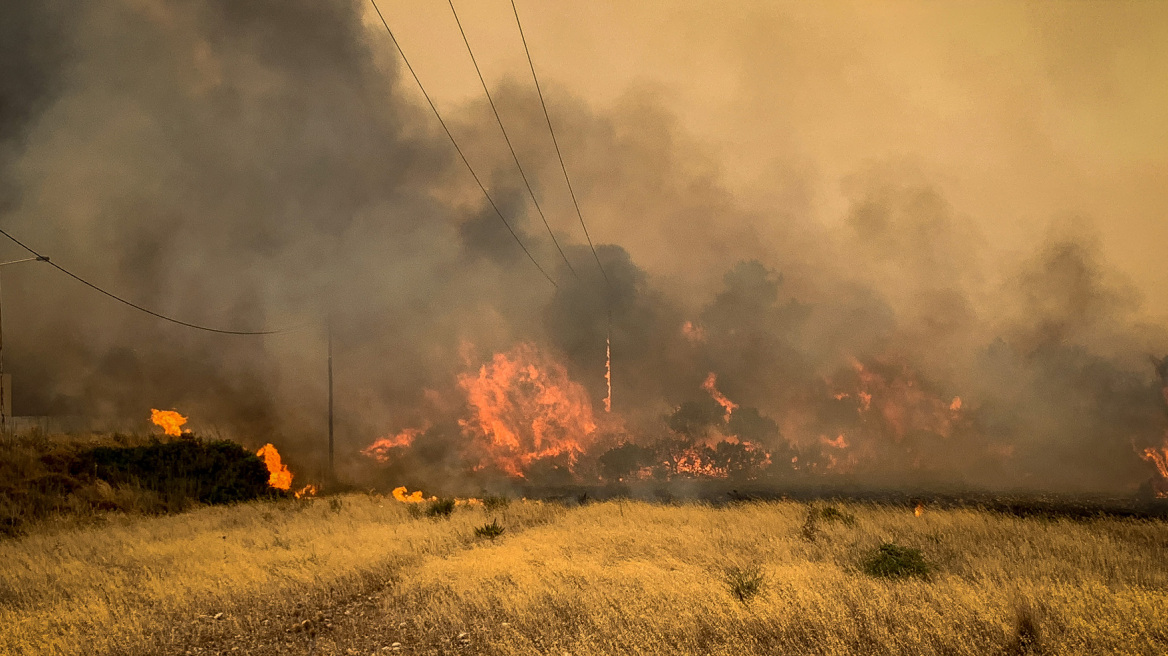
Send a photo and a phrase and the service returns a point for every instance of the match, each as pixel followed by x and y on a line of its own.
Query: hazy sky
pixel 1018 112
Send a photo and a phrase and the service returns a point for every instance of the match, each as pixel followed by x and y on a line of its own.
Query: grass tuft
pixel 745 582
pixel 490 531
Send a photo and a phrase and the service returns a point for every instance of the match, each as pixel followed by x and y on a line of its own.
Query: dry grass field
pixel 360 574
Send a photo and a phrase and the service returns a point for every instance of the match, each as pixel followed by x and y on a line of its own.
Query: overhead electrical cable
pixel 556 143
pixel 474 175
pixel 507 138
pixel 50 262
pixel 579 214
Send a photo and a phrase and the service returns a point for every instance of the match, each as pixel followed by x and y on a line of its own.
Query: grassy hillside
pixel 361 574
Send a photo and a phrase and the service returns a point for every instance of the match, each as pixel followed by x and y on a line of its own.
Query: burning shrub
pixel 620 462
pixel 745 582
pixel 40 478
pixel 891 560
pixel 440 508
pixel 490 531
pixel 207 472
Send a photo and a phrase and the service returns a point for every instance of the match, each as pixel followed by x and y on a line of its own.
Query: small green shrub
pixel 891 560
pixel 490 531
pixel 493 503
pixel 440 508
pixel 1027 639
pixel 745 582
pixel 833 514
pixel 810 529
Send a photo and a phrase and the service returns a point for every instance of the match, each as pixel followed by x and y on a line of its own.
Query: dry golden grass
pixel 138 585
pixel 610 578
pixel 645 579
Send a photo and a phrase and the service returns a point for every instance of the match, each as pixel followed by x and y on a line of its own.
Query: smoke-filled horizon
pixel 272 164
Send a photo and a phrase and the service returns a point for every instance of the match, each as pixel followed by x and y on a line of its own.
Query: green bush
pixel 207 472
pixel 40 478
pixel 891 560
pixel 440 508
pixel 491 503
pixel 833 514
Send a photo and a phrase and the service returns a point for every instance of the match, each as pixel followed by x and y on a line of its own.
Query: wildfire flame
pixel 278 475
pixel 380 449
pixel 608 372
pixel 1159 458
pixel 524 407
pixel 840 442
pixel 919 510
pixel 169 421
pixel 401 495
pixel 306 491
pixel 710 385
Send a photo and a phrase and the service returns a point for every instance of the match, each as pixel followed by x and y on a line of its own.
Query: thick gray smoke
pixel 266 164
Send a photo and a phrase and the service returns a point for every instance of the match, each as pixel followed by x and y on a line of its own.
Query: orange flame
pixel 919 510
pixel 380 449
pixel 956 404
pixel 1159 458
pixel 710 386
pixel 278 475
pixel 306 491
pixel 840 442
pixel 401 495
pixel 525 407
pixel 169 421
pixel 608 372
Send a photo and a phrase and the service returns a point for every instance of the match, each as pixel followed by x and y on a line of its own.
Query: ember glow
pixel 306 491
pixel 693 333
pixel 524 407
pixel 169 421
pixel 279 476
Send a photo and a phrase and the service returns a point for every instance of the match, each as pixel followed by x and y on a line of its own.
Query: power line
pixel 46 259
pixel 556 143
pixel 507 138
pixel 459 149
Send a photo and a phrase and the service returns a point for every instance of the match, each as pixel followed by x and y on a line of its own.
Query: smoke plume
pixel 267 164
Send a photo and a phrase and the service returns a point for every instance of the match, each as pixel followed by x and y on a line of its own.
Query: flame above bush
pixel 169 421
pixel 279 476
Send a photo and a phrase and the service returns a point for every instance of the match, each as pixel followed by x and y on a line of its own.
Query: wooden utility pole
pixel 332 468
